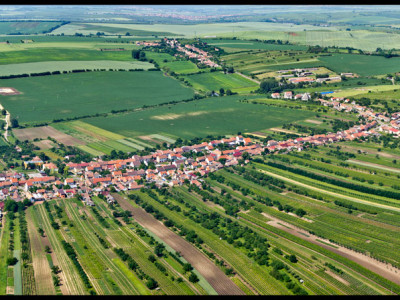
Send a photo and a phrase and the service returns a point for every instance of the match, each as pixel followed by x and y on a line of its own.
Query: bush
pixel 11 261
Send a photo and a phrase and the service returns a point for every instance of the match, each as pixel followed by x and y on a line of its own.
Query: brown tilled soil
pixel 217 279
pixel 45 131
pixel 284 130
pixel 337 277
pixel 371 264
pixel 148 138
pixel 313 121
pixel 43 278
pixel 45 144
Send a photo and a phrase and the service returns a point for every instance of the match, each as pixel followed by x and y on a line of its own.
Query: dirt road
pixel 217 279
pixel 7 119
pixel 368 164
pixel 248 77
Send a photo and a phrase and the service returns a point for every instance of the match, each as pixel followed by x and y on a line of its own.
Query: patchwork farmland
pixel 208 150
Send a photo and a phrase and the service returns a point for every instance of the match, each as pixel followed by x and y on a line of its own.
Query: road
pixel 8 122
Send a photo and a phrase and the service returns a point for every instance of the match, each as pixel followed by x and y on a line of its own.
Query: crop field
pixel 30 27
pixel 201 30
pixel 261 62
pixel 46 98
pixel 359 39
pixel 51 66
pixel 94 238
pixel 213 81
pixel 361 64
pixel 98 141
pixel 250 45
pixel 255 62
pixel 365 91
pixel 65 52
pixel 201 263
pixel 49 45
pixel 44 132
pixel 214 116
pixel 305 267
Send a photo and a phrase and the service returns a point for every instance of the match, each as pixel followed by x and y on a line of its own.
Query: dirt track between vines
pixel 217 279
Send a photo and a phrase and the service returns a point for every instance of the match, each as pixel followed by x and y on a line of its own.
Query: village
pixel 173 167
pixel 187 50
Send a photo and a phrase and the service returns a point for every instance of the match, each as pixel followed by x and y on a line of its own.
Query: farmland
pixel 215 80
pixel 214 116
pixel 88 94
pixel 118 278
pixel 47 66
pixel 26 27
pixel 205 159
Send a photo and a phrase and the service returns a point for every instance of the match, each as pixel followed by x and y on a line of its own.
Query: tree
pixel 193 278
pixel 152 258
pixel 136 54
pixel 55 269
pixel 3 112
pixel 151 284
pixel 14 123
pixel 222 161
pixel 158 250
pixel 246 155
pixel 187 267
pixel 47 249
pixel 228 92
pixel 268 84
pixel 56 280
pixel 41 231
pixel 221 91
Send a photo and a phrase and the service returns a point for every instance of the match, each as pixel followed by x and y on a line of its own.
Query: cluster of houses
pixel 192 52
pixel 175 166
pixel 289 95
pixel 301 75
pixel 386 123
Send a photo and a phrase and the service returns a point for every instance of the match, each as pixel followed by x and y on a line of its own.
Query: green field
pixel 201 30
pixel 216 116
pixel 46 98
pixel 30 27
pixel 363 65
pixel 250 45
pixel 51 66
pixel 65 52
pixel 213 81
